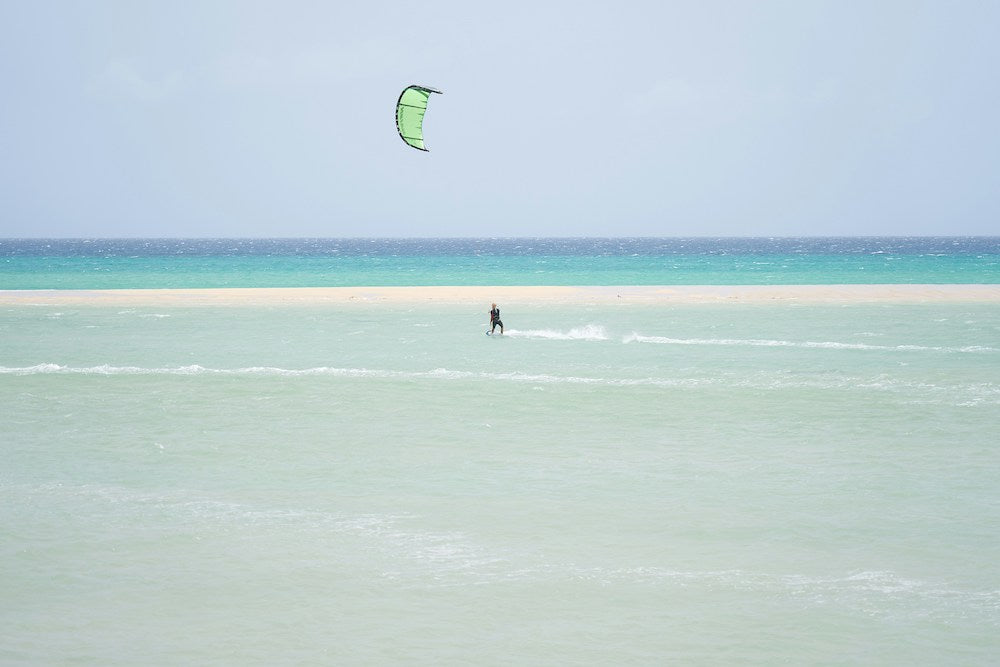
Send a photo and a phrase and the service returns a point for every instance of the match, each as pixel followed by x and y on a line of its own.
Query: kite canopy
pixel 410 114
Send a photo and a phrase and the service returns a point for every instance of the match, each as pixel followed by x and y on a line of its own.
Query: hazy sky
pixel 558 119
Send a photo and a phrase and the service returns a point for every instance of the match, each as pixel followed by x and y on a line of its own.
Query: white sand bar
pixel 483 295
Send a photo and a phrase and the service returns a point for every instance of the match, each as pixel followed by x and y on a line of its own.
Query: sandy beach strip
pixel 479 295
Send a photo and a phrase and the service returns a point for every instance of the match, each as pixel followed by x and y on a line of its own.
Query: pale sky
pixel 699 118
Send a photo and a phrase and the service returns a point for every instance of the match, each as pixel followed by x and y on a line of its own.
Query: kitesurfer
pixel 495 319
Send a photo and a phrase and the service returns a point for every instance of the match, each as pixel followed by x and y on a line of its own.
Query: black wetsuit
pixel 495 319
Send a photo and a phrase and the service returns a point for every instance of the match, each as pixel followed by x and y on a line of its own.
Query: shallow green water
pixel 603 485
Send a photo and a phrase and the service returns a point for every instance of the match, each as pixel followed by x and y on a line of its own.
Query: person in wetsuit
pixel 495 319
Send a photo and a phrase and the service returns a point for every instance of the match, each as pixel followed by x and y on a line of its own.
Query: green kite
pixel 410 109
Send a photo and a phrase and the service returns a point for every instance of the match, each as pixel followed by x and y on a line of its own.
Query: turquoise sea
pixel 379 483
pixel 198 263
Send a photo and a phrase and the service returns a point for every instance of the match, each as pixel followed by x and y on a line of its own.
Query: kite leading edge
pixel 410 109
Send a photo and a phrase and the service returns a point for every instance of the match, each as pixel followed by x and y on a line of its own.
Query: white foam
pixel 437 374
pixel 33 370
pixel 829 345
pixel 961 394
pixel 591 332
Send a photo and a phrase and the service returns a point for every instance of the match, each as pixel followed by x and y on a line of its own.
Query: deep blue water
pixel 196 263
